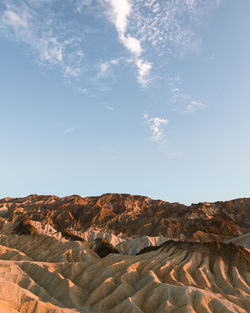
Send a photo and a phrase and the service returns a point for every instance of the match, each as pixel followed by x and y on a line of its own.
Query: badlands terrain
pixel 119 253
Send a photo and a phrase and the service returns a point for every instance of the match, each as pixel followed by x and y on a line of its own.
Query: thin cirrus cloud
pixel 149 34
pixel 193 106
pixel 158 29
pixel 104 70
pixel 119 16
pixel 183 101
pixel 147 29
pixel 45 36
pixel 12 19
pixel 68 130
pixel 157 126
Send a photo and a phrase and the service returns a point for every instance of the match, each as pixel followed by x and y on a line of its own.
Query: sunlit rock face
pixel 129 216
pixel 123 253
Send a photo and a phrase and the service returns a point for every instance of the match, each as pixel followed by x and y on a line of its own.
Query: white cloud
pixel 46 36
pixel 194 106
pixel 120 12
pixel 69 130
pixel 14 20
pixel 170 27
pixel 110 108
pixel 143 72
pixel 132 44
pixel 119 15
pixel 191 3
pixel 72 72
pixel 183 101
pixel 23 23
pixel 50 49
pixel 115 61
pixel 156 125
pixel 148 29
pixel 83 91
pixel 175 90
pixel 167 26
pixel 104 70
pixel 82 4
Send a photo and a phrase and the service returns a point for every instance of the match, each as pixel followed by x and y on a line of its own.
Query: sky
pixel 148 97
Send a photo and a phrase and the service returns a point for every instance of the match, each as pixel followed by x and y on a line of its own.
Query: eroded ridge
pixel 129 216
pixel 66 268
pixel 39 274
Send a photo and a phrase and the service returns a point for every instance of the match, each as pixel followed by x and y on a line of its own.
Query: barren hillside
pixel 122 253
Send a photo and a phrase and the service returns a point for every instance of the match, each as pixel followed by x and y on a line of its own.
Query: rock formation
pixel 120 253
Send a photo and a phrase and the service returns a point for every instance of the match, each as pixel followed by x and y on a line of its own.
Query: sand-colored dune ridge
pixel 46 275
pixel 72 268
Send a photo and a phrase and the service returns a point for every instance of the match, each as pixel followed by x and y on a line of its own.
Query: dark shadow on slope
pixel 102 247
pixel 69 236
pixel 230 253
pixel 25 228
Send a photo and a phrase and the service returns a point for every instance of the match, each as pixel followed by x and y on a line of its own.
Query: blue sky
pixel 146 97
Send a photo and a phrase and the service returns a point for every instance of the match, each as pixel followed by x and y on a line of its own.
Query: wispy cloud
pixel 193 106
pixel 45 35
pixel 110 108
pixel 14 20
pixel 69 130
pixel 83 91
pixel 157 126
pixel 183 101
pixel 71 71
pixel 158 29
pixel 104 70
pixel 143 72
pixel 152 31
pixel 119 16
pixel 170 27
pixel 115 61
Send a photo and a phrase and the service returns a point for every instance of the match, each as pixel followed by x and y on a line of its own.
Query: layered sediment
pixel 73 254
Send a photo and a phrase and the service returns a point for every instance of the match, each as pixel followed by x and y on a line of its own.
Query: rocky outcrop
pixel 42 274
pixel 122 253
pixel 102 247
pixel 128 216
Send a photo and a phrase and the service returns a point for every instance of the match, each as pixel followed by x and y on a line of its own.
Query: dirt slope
pixel 73 254
pixel 42 274
pixel 134 216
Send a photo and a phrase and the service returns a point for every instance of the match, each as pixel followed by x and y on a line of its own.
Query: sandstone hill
pixel 131 216
pixel 119 253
